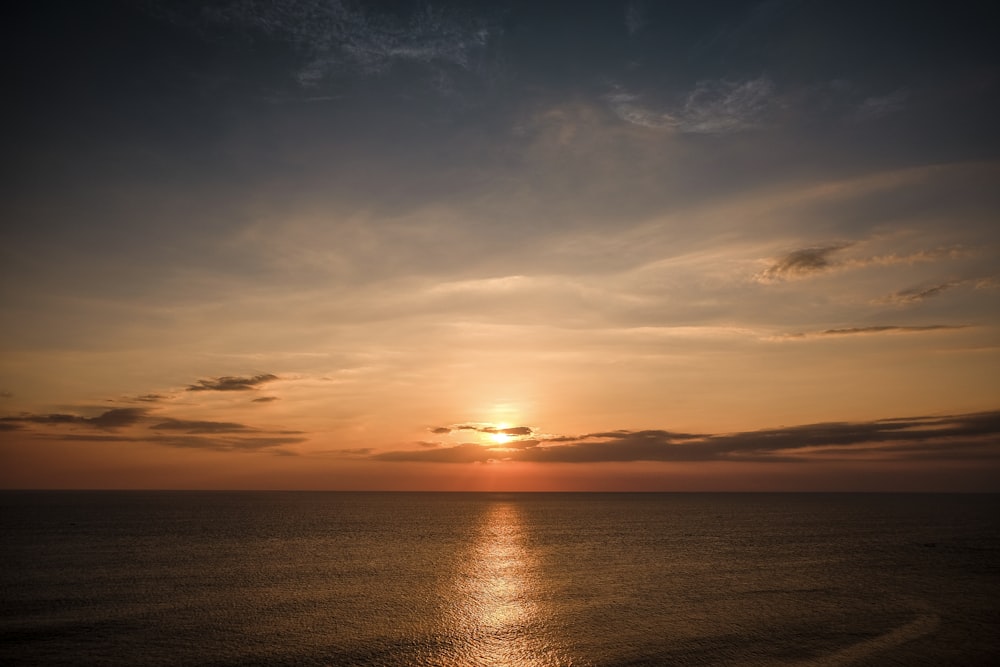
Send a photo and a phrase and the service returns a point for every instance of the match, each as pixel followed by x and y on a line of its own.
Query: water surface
pixel 526 580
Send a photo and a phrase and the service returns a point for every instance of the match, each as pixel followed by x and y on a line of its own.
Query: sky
pixel 597 246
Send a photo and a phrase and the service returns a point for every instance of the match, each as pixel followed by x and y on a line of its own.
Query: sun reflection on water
pixel 496 615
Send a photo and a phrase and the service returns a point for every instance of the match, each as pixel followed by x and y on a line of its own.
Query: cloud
pixel 953 437
pixel 520 444
pixel 872 330
pixel 628 108
pixel 890 329
pixel 149 398
pixel 990 282
pixel 108 420
pixel 484 428
pixel 355 452
pixel 195 441
pixel 464 453
pixel 231 383
pixel 873 108
pixel 712 107
pixel 200 427
pixel 167 431
pixel 623 434
pixel 513 430
pixel 726 106
pixel 118 417
pixel 635 16
pixel 265 399
pixel 337 38
pixel 800 263
pixel 917 294
pixel 224 444
pixel 80 437
pixel 209 427
pixel 814 260
pixel 932 255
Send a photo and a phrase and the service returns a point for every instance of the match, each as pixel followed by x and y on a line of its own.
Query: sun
pixel 500 438
pixel 497 435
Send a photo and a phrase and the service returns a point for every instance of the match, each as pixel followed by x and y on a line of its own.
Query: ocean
pixel 524 580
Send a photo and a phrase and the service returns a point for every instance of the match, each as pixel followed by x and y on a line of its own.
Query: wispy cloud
pixel 141 426
pixel 336 38
pixel 464 453
pixel 800 263
pixel 929 255
pixel 873 108
pixel 890 329
pixel 990 282
pixel 227 443
pixel 108 420
pixel 513 430
pixel 814 260
pixel 722 106
pixel 635 16
pixel 350 453
pixel 952 437
pixel 200 427
pixel 873 330
pixel 726 106
pixel 917 294
pixel 216 442
pixel 629 108
pixel 232 383
pixel 715 106
pixel 484 428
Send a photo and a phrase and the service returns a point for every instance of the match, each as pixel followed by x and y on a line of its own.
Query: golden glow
pixel 500 438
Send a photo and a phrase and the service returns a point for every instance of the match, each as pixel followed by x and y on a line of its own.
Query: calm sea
pixel 219 578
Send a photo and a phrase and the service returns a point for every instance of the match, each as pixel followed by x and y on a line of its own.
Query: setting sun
pixel 500 438
pixel 499 433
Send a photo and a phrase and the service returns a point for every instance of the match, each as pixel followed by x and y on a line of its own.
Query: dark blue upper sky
pixel 337 96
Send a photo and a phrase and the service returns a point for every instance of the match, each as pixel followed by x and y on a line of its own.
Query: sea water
pixel 526 580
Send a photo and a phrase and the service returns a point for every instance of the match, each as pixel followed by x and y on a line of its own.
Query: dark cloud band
pixel 232 383
pixel 955 437
pixel 108 420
